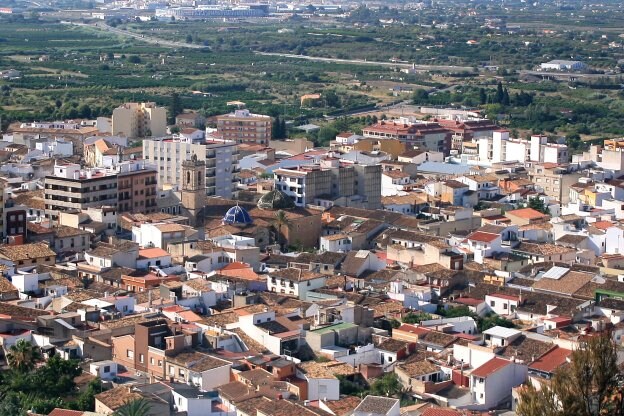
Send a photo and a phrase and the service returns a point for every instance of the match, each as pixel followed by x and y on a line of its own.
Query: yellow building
pixel 139 120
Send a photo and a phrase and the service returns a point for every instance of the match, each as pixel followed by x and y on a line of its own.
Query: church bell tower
pixel 193 192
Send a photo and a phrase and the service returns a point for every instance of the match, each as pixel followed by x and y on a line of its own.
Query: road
pixel 373 63
pixel 144 38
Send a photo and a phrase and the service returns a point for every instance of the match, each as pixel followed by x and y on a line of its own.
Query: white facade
pixel 488 391
pixel 502 304
pixel 105 370
pixel 337 243
pixel 293 287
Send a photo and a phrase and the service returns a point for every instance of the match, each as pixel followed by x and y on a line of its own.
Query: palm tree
pixel 23 356
pixel 138 407
pixel 280 221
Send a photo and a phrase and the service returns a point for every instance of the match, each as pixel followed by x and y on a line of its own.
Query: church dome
pixel 237 216
pixel 276 199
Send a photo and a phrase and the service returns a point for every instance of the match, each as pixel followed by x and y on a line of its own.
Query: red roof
pixel 504 296
pixel 151 253
pixel 602 225
pixel 469 301
pixel 552 360
pixel 412 329
pixel 527 213
pixel 438 411
pixel 65 412
pixel 490 367
pixel 482 237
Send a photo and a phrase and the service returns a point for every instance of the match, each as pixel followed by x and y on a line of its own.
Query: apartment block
pixel 137 188
pixel 332 183
pixel 139 120
pixel 221 157
pixel 73 188
pixel 425 136
pixel 499 147
pixel 554 180
pixel 242 126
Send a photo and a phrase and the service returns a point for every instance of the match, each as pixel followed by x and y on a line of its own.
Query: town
pixel 421 267
pixel 238 208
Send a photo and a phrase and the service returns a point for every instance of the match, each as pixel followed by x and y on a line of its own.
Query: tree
pixel 388 385
pixel 325 135
pixel 420 96
pixel 134 59
pixel 505 101
pixel 482 96
pixel 590 385
pixel 139 407
pixel 498 99
pixel 175 107
pixel 415 318
pixel 280 222
pixel 189 39
pixel 23 356
pixel 538 204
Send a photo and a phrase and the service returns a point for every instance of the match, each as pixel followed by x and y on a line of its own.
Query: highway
pixel 446 68
pixel 148 39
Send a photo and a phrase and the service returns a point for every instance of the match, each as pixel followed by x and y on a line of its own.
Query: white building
pixel 492 382
pixel 295 282
pixel 563 65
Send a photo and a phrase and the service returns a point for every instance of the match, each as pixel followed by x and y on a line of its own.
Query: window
pixel 129 353
pixel 107 368
pixel 504 306
pixel 181 373
pixel 141 358
pixel 492 303
pixel 159 363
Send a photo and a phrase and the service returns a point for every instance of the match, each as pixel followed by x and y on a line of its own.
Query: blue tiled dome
pixel 237 216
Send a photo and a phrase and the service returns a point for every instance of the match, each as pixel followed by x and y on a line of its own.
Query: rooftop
pixel 376 405
pixel 490 367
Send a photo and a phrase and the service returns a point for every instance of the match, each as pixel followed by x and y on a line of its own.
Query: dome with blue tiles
pixel 237 216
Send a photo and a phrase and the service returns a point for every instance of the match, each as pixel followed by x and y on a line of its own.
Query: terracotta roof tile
pixel 490 367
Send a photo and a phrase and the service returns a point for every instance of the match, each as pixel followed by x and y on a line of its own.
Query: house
pixel 499 336
pixel 321 378
pixel 378 406
pixel 111 401
pixel 28 255
pixel 295 282
pixel 154 256
pixel 486 186
pixel 105 370
pixel 421 376
pixel 358 262
pixel 526 216
pixel 202 370
pixel 492 382
pixel 502 303
pixel 539 253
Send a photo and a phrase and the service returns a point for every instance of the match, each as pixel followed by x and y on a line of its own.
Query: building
pixel 72 188
pixel 28 255
pixel 563 65
pixel 191 119
pixel 220 157
pixel 554 180
pixel 242 126
pixel 213 12
pixel 332 183
pixel 139 120
pixel 378 406
pixel 193 192
pixel 296 282
pixel 424 136
pixel 137 188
